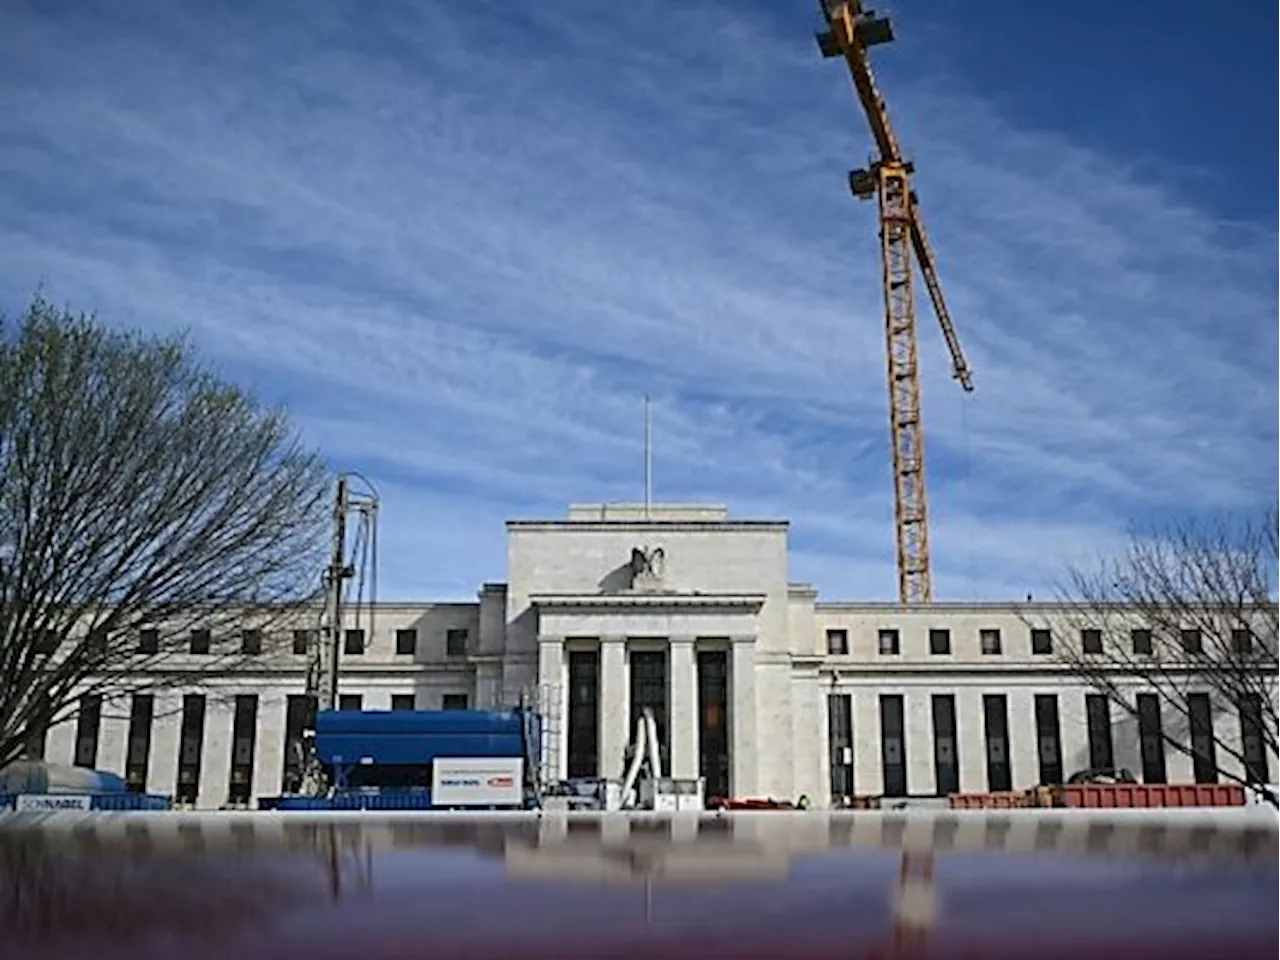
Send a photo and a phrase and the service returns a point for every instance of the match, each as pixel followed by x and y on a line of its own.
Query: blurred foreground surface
pixel 864 884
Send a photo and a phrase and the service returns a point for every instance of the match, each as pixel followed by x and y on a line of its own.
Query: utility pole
pixel 648 459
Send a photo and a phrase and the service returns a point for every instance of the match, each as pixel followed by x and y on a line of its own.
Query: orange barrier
pixel 1141 795
pixel 1002 800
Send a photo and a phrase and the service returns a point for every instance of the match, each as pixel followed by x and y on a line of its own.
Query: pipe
pixel 637 758
pixel 655 755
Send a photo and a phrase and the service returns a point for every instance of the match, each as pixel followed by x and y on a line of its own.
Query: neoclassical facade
pixel 757 685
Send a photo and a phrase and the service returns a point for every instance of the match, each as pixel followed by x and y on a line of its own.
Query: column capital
pixel 549 638
pixel 738 638
pixel 681 638
pixel 618 638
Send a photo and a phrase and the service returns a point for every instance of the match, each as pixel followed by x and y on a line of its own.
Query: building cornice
pixel 750 602
pixel 648 526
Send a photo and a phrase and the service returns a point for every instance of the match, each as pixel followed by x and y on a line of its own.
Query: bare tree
pixel 1188 615
pixel 143 501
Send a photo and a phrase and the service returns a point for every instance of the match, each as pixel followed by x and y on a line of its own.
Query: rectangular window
pixel 406 642
pixel 300 715
pixel 890 643
pixel 989 640
pixel 946 757
pixel 1097 710
pixel 201 641
pixel 37 732
pixel 584 713
pixel 1241 642
pixel 1203 753
pixel 353 642
pixel 840 742
pixel 995 714
pixel 1140 637
pixel 1048 739
pixel 455 642
pixel 302 641
pixel 88 723
pixel 1151 738
pixel 893 746
pixel 1253 744
pixel 713 721
pixel 96 644
pixel 138 751
pixel 838 643
pixel 402 701
pixel 244 729
pixel 1091 640
pixel 190 749
pixel 48 642
pixel 649 689
pixel 149 641
pixel 940 641
pixel 1041 641
pixel 350 701
pixel 251 642
pixel 1192 643
pixel 453 701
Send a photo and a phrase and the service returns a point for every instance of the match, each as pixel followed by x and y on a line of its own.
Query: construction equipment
pixel 851 30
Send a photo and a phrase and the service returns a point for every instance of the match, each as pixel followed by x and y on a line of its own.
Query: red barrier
pixel 1145 795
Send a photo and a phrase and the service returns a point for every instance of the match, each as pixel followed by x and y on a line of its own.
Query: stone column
pixel 683 680
pixel 215 751
pixel 551 694
pixel 615 703
pixel 742 716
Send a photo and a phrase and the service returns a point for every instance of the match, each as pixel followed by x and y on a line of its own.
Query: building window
pixel 584 719
pixel 149 641
pixel 1097 709
pixel 96 644
pixel 244 728
pixel 940 641
pixel 402 701
pixel 300 715
pixel 302 641
pixel 995 714
pixel 138 752
pixel 353 642
pixel 48 642
pixel 1191 642
pixel 713 721
pixel 838 643
pixel 989 640
pixel 1241 642
pixel 649 689
pixel 453 701
pixel 1091 640
pixel 1151 738
pixel 840 742
pixel 201 640
pixel 1048 739
pixel 889 643
pixel 88 723
pixel 251 642
pixel 1203 754
pixel 37 733
pixel 350 701
pixel 1140 637
pixel 406 642
pixel 893 746
pixel 1253 744
pixel 946 758
pixel 455 642
pixel 190 749
pixel 1041 641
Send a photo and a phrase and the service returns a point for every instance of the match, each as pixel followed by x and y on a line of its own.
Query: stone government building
pixel 758 685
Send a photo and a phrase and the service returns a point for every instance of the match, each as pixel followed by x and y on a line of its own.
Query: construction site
pixel 648 681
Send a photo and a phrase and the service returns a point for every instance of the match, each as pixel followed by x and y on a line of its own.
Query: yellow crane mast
pixel 850 31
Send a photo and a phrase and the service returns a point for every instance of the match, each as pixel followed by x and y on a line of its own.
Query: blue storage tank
pixel 416 737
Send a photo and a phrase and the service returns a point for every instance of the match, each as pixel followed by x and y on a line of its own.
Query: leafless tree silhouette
pixel 141 498
pixel 1187 610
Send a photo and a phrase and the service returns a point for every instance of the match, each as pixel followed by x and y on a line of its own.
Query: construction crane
pixel 851 30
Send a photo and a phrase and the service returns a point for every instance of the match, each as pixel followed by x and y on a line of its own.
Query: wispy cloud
pixel 461 241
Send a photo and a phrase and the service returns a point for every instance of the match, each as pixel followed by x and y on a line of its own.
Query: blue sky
pixel 460 241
